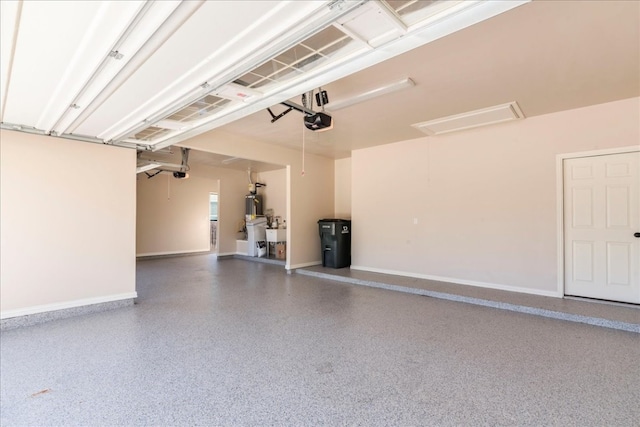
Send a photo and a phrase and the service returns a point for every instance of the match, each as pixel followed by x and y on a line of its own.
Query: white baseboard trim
pixel 172 253
pixel 46 308
pixel 303 265
pixel 496 286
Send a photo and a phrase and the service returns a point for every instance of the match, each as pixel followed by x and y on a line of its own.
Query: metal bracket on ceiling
pixel 275 118
pixel 178 170
pixel 151 175
pixel 290 106
pixel 300 108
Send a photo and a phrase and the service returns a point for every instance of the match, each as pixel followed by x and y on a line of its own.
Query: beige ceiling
pixel 546 55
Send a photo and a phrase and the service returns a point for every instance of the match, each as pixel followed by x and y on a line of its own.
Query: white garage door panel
pixel 215 27
pixel 69 39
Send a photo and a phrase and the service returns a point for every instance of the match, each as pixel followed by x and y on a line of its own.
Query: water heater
pixel 253 205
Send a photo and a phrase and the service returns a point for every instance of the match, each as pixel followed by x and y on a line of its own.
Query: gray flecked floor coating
pixel 624 317
pixel 615 312
pixel 237 343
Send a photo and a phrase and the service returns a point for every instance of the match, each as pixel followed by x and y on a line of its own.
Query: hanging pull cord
pixel 303 143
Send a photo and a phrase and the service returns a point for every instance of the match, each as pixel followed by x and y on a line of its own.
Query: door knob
pixel 636 235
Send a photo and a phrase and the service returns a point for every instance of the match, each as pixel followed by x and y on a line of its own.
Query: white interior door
pixel 601 222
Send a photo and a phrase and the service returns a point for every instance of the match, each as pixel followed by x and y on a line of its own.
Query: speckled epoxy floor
pixel 625 317
pixel 239 343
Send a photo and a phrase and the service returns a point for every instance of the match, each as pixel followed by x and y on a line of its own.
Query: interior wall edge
pixel 303 265
pixel 64 218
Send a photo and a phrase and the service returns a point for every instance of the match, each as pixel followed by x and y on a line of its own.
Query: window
pixel 213 207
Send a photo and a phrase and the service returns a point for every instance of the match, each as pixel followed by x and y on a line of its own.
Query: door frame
pixel 217 193
pixel 560 201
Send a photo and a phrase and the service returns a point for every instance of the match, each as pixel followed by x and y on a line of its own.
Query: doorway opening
pixel 213 221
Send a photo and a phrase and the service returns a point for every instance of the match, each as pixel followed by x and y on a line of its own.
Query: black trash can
pixel 335 242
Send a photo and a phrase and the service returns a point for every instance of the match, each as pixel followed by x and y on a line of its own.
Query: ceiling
pixel 148 75
pixel 548 56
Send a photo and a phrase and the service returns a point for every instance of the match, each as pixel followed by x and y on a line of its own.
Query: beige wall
pixel 275 193
pixel 343 188
pixel 310 196
pixel 173 214
pixel 233 187
pixel 67 223
pixel 476 207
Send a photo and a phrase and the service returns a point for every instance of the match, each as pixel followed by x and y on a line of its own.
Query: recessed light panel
pixel 472 119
